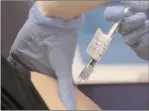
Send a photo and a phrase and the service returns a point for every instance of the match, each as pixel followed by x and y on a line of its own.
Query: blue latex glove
pixel 47 45
pixel 135 26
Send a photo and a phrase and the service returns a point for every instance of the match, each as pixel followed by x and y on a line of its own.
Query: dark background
pixel 108 97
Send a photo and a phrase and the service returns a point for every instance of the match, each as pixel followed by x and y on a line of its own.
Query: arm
pixel 68 10
pixel 51 97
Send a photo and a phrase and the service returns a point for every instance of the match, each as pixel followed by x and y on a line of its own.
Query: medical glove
pixel 134 27
pixel 47 45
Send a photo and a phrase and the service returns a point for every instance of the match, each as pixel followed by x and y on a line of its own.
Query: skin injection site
pixel 75 55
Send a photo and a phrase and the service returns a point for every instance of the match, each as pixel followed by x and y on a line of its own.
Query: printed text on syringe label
pixel 98 45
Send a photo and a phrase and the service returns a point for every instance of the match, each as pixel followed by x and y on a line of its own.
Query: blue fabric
pixel 47 45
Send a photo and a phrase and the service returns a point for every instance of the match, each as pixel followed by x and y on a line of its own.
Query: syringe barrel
pixel 88 69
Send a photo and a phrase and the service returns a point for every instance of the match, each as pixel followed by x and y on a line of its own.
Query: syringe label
pixel 98 45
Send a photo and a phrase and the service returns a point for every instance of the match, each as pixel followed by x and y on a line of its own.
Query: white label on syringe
pixel 98 45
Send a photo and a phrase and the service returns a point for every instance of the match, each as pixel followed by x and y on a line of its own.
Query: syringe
pixel 97 48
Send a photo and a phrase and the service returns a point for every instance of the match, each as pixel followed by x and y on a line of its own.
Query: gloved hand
pixel 47 45
pixel 135 25
pixel 58 39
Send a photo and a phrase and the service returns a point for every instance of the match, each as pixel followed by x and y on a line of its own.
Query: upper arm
pixel 48 89
pixel 68 10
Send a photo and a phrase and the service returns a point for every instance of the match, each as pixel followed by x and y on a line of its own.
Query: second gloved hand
pixel 135 25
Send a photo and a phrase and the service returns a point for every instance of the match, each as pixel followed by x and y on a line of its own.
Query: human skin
pixel 42 82
pixel 68 10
